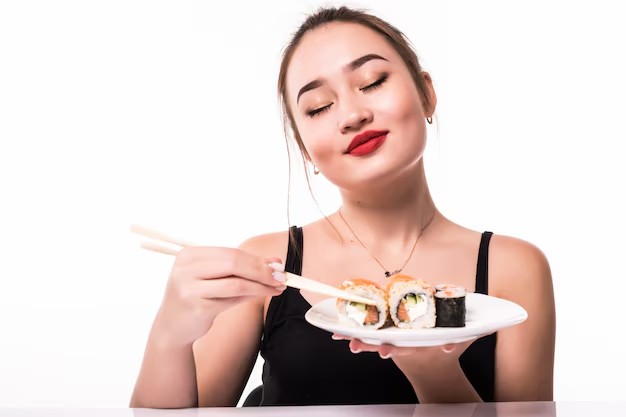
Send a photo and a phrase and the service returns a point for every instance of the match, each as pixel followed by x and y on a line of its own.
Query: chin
pixel 368 177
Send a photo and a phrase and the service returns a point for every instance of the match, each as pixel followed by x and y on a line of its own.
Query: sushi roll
pixel 411 302
pixel 368 316
pixel 450 305
pixel 444 287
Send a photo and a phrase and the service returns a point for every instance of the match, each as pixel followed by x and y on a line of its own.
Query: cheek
pixel 402 111
pixel 317 137
pixel 400 105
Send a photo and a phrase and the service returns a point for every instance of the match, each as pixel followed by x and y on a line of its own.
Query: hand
pixel 205 281
pixel 427 355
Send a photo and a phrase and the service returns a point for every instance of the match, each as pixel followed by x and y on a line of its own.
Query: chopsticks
pixel 308 284
pixel 293 280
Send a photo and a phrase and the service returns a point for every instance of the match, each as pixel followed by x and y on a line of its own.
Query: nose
pixel 354 117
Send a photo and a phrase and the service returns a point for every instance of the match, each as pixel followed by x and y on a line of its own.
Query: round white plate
pixel 484 315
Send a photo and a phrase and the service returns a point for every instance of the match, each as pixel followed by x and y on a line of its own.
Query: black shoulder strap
pixel 293 263
pixel 482 273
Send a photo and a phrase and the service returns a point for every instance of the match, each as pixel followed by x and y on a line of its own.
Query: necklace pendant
pixel 389 274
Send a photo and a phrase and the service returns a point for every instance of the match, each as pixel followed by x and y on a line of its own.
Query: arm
pixel 225 356
pixel 447 384
pixel 212 368
pixel 524 353
pixel 167 378
pixel 211 372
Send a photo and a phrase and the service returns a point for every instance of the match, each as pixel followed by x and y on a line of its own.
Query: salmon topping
pixel 403 312
pixel 372 315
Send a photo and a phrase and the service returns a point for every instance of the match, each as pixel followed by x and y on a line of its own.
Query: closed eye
pixel 367 88
pixel 375 84
pixel 315 112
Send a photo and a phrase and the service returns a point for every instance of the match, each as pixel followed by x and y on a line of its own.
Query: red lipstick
pixel 367 142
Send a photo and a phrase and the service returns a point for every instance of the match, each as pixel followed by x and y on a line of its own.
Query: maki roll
pixel 369 316
pixel 444 287
pixel 450 305
pixel 411 302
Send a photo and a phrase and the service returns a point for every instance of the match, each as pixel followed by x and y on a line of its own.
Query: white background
pixel 165 114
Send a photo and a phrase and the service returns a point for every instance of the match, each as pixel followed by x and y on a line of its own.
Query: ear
pixel 429 109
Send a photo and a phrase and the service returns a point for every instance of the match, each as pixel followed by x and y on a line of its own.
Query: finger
pixel 449 348
pixel 336 336
pixel 278 268
pixel 223 304
pixel 273 259
pixel 234 287
pixel 357 346
pixel 212 262
pixel 385 351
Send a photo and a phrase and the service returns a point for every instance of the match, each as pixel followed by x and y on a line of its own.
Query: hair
pixel 324 16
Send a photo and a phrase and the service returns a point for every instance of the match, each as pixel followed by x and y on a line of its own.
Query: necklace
pixel 397 271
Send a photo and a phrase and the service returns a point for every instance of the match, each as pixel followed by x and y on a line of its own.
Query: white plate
pixel 484 315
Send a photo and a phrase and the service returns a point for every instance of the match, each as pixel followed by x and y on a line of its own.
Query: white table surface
pixel 527 409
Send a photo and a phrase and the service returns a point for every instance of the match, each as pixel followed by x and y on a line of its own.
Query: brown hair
pixel 322 17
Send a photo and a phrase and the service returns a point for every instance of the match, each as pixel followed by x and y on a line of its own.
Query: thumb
pixel 273 259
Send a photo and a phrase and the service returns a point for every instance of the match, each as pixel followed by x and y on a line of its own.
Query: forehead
pixel 324 51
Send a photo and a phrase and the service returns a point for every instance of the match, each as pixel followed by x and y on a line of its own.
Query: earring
pixel 315 170
pixel 429 119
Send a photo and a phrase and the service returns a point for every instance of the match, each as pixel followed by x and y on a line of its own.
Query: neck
pixel 388 219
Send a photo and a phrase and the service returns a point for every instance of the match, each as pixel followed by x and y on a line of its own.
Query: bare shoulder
pixel 267 245
pixel 274 244
pixel 515 265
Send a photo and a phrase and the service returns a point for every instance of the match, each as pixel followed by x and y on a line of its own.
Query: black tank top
pixel 305 366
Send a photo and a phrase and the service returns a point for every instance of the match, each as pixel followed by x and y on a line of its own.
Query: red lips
pixel 366 142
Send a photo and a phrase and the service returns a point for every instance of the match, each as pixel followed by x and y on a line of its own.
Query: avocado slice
pixel 412 299
pixel 359 306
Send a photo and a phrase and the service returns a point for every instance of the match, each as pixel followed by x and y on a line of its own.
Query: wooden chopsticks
pixel 293 280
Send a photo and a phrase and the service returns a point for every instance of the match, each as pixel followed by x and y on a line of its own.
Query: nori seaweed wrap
pixel 450 306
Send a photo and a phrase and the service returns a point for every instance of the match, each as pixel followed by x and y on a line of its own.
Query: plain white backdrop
pixel 165 114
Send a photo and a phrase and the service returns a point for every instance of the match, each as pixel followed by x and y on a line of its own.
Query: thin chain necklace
pixel 397 271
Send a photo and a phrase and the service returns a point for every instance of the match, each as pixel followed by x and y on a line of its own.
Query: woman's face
pixel 345 80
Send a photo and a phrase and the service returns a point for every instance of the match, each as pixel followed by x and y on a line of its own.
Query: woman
pixel 357 102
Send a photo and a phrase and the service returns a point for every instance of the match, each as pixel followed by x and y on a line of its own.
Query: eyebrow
pixel 350 67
